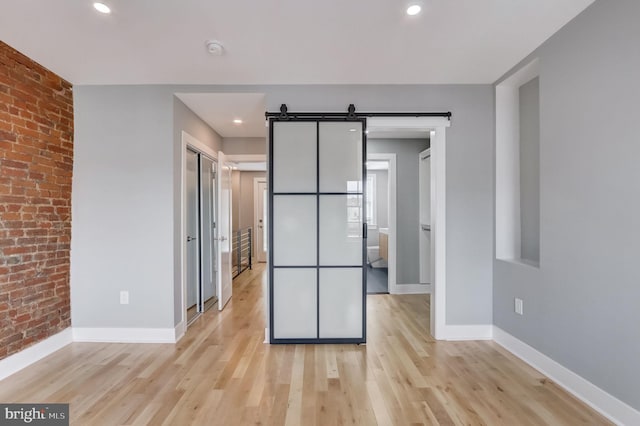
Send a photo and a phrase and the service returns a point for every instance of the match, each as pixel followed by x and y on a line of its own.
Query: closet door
pixel 317 290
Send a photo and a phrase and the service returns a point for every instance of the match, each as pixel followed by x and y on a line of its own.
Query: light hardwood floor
pixel 221 373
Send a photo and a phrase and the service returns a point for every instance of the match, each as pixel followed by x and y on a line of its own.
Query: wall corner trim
pixel 609 406
pixel 126 335
pixel 468 332
pixel 16 362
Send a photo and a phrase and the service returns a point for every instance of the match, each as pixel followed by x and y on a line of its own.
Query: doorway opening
pixel 229 130
pixel 377 209
pixel 248 180
pixel 428 224
pixel 396 256
pixel 205 230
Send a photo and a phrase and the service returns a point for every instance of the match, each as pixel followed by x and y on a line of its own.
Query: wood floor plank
pixel 222 373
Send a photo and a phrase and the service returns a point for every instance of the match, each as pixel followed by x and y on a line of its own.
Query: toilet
pixel 374 259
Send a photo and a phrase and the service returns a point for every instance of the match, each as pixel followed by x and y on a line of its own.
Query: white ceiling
pixel 220 109
pixel 282 41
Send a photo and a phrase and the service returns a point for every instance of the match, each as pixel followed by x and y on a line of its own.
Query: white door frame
pixel 437 126
pixel 188 141
pixel 256 213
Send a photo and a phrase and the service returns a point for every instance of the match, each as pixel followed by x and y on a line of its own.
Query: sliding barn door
pixel 317 245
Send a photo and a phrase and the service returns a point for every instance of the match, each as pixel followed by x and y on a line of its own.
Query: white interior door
pixel 223 255
pixel 260 198
pixel 207 223
pixel 425 216
pixel 192 244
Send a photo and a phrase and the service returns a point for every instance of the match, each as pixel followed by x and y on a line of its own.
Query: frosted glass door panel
pixel 294 230
pixel 341 303
pixel 294 157
pixel 341 157
pixel 295 303
pixel 341 230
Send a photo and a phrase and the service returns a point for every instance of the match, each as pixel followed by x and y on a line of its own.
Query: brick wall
pixel 36 160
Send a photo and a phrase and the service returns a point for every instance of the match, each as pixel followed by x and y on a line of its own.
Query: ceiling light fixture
pixel 102 8
pixel 237 121
pixel 414 9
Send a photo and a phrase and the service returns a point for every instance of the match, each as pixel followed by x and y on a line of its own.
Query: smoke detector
pixel 214 47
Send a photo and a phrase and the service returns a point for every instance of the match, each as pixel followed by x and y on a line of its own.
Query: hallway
pixel 222 373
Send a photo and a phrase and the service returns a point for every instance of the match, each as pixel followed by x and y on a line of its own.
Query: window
pixel 372 219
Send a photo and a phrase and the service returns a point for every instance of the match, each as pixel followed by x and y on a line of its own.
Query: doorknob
pixel 189 239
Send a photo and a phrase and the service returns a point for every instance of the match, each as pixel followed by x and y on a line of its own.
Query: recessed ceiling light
pixel 413 10
pixel 102 8
pixel 352 130
pixel 237 121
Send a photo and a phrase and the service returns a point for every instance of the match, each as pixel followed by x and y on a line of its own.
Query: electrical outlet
pixel 124 297
pixel 518 306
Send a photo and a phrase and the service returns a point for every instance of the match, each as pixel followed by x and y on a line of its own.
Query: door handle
pixel 189 239
pixel 222 238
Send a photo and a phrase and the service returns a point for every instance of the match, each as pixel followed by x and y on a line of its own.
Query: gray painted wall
pixel 134 125
pixel 246 146
pixel 126 228
pixel 187 120
pixel 235 199
pixel 530 170
pixel 581 305
pixel 122 208
pixel 408 208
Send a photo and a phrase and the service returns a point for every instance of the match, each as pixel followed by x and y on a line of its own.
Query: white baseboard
pixel 412 289
pixel 468 332
pixel 125 335
pixel 179 331
pixel 607 405
pixel 26 357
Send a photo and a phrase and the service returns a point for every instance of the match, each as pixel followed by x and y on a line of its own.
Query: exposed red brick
pixel 36 164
